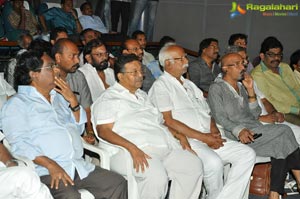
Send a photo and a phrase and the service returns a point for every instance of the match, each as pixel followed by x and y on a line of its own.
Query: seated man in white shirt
pixel 123 116
pixel 185 109
pixel 19 181
pixel 88 20
pixel 96 71
pixel 49 124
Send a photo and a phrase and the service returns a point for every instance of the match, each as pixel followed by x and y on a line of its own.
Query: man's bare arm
pixel 212 140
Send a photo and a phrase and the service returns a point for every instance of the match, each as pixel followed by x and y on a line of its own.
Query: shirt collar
pixel 168 75
pixel 264 68
pixel 31 91
pixel 121 89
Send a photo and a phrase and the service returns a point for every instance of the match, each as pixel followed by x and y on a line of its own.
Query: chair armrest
pixel 104 155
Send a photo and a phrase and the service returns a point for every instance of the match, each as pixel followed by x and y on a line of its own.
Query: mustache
pixel 76 66
pixel 275 61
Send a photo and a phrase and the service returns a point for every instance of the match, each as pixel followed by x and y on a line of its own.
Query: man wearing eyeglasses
pixel 185 109
pixel 96 71
pixel 277 81
pixel 131 46
pixel 49 124
pixel 123 116
pixel 205 69
pixel 235 107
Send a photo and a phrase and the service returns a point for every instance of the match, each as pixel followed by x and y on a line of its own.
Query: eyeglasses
pixel 273 55
pixel 179 58
pixel 134 49
pixel 136 72
pixel 237 64
pixel 105 54
pixel 214 47
pixel 49 67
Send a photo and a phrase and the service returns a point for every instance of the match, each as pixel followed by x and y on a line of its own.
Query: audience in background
pixel 18 19
pixel 66 17
pixel 205 69
pixel 86 36
pixel 149 8
pixel 295 64
pixel 277 81
pixel 89 20
pixel 240 39
pixel 131 46
pixel 58 33
pixel 120 8
pixel 141 39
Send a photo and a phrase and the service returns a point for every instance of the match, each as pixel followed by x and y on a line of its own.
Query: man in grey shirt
pixel 204 69
pixel 66 56
pixel 234 106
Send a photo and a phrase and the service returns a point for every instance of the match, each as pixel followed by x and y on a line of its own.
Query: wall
pixel 190 21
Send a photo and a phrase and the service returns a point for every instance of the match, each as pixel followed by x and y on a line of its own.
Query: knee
pixel 158 178
pixel 213 165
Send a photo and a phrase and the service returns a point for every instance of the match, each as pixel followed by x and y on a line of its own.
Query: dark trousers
pixel 279 169
pixel 101 183
pixel 119 8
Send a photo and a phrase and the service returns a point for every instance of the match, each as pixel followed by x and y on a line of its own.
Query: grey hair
pixel 235 49
pixel 164 54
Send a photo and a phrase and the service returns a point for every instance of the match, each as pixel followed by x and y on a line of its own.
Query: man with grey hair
pixel 185 109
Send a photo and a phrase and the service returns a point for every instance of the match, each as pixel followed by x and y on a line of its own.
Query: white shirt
pixel 95 83
pixel 6 90
pixel 147 58
pixel 186 102
pixel 133 116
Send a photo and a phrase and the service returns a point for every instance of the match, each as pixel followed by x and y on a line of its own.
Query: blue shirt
pixel 34 127
pixel 155 69
pixel 60 18
pixel 94 22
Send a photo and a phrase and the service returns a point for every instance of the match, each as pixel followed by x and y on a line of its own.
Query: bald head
pixel 131 46
pixel 233 67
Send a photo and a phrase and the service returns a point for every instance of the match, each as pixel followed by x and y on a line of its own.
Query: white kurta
pixel 136 120
pixel 187 105
pixel 95 83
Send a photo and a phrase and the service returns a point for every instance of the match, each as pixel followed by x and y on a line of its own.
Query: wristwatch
pixel 75 108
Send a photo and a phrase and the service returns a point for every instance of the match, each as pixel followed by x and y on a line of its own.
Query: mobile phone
pixel 257 135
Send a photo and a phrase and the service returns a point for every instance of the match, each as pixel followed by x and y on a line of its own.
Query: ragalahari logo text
pixel 236 10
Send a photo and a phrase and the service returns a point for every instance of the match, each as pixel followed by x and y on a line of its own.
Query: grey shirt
pixel 233 111
pixel 201 74
pixel 148 79
pixel 80 88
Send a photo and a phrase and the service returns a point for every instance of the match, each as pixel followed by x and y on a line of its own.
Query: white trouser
pixel 242 160
pixel 183 168
pixel 22 183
